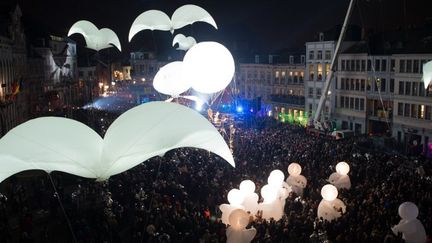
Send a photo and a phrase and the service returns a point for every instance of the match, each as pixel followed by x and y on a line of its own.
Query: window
pixel 351 102
pixel 383 85
pixel 377 83
pixel 400 109
pixel 347 102
pixel 391 85
pixel 342 100
pixel 327 55
pixel 318 92
pixel 401 66
pixel 311 72
pixel 327 68
pixel 428 113
pixel 310 93
pixel 421 111
pixel 362 85
pixel 407 110
pixel 401 88
pixel 302 59
pixel 319 55
pixel 357 84
pixel 352 65
pixel 409 66
pixel 362 104
pixel 343 65
pixel 342 82
pixel 415 88
pixel 277 74
pixel 348 65
pixel 392 65
pixel 377 65
pixel 369 65
pixel 291 59
pixel 352 84
pixel 369 84
pixel 384 65
pixel 311 55
pixel 363 65
pixel 407 88
pixel 320 72
pixel 421 90
pixel 357 65
pixel 414 111
pixel 357 105
pixel 416 67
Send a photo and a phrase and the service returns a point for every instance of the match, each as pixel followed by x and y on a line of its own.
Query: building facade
pixel 13 59
pixel 279 87
pixel 384 94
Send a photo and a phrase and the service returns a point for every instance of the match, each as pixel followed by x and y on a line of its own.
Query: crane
pixel 317 121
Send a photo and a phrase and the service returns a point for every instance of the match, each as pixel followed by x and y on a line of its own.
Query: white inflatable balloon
pixel 329 192
pixel 411 228
pixel 250 203
pixel 189 14
pixel 95 39
pixel 427 74
pixel 269 193
pixel 184 43
pixel 150 20
pixel 340 181
pixel 237 232
pixel 169 81
pixel 276 178
pixel 294 169
pixel 235 197
pixel 158 20
pixel 297 183
pixel 342 168
pixel 247 186
pixel 61 144
pixel 331 210
pixel 226 210
pixel 209 66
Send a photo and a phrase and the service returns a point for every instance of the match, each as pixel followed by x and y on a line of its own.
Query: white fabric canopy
pixel 158 20
pixel 150 20
pixel 95 39
pixel 61 144
pixel 184 43
pixel 189 14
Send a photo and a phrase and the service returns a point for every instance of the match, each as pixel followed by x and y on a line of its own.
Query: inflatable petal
pixel 185 43
pixel 155 128
pixel 51 144
pixel 95 39
pixel 150 20
pixel 189 14
pixel 169 81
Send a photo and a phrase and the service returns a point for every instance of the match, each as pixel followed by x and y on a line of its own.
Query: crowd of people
pixel 175 198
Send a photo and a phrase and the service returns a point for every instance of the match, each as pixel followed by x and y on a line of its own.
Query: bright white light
pixel 235 197
pixel 247 186
pixel 427 74
pixel 269 113
pixel 198 106
pixel 209 66
pixel 276 178
pixel 269 193
pixel 239 109
pixel 101 85
pixel 329 192
pixel 143 79
pixel 134 82
pixel 168 80
pixel 113 83
pixel 294 169
pixel 342 168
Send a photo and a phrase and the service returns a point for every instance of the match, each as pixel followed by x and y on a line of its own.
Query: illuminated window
pixel 320 71
pixel 277 74
pixel 421 112
pixel 283 74
pixel 327 68
pixel 311 72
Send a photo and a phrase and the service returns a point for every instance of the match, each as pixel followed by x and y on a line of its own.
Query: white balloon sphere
pixel 235 197
pixel 342 168
pixel 238 219
pixel 294 169
pixel 247 186
pixel 209 66
pixel 269 193
pixel 329 192
pixel 169 81
pixel 408 211
pixel 276 178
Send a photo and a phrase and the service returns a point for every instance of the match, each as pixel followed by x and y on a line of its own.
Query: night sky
pixel 260 25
